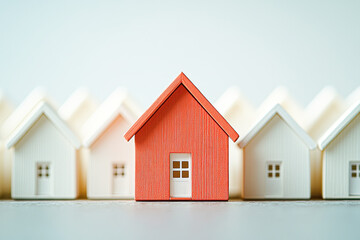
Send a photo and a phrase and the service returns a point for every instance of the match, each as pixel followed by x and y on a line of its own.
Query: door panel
pixel 121 179
pixel 354 179
pixel 43 179
pixel 274 185
pixel 180 175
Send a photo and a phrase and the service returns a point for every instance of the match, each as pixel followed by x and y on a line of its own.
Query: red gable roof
pixel 182 79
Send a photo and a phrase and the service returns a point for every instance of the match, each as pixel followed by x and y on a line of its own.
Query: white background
pixel 144 45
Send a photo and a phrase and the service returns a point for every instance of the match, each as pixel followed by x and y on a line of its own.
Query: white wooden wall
pixel 44 142
pixel 110 147
pixel 277 142
pixel 336 157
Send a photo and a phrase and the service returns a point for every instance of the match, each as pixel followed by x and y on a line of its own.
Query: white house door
pixel 354 181
pixel 121 179
pixel 43 179
pixel 274 186
pixel 180 175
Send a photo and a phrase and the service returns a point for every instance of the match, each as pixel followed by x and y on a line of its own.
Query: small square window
pixel 176 164
pixel 270 174
pixel 185 164
pixel 176 174
pixel 185 174
pixel 277 174
pixel 353 167
pixel 353 175
pixel 270 167
pixel 277 167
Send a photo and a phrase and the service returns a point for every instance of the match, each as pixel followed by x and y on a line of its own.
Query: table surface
pixel 86 219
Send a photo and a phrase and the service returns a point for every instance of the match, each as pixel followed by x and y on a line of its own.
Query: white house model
pixel 240 113
pixel 320 114
pixel 44 157
pixel 111 159
pixel 340 147
pixel 76 110
pixel 281 96
pixel 12 122
pixel 5 110
pixel 276 158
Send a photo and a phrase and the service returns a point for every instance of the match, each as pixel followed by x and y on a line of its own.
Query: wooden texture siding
pixel 181 124
pixel 337 156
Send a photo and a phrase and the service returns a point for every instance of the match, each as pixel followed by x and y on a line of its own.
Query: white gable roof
pixel 281 95
pixel 119 102
pixel 339 125
pixel 40 109
pixel 230 97
pixel 321 104
pixel 277 109
pixel 37 95
pixel 75 102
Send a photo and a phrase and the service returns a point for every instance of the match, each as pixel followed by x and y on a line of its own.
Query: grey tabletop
pixel 83 219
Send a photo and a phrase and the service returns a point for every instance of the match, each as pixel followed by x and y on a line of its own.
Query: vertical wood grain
pixel 181 125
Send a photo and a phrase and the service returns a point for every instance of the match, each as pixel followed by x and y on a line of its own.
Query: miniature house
pixel 276 158
pixel 320 114
pixel 240 113
pixel 5 110
pixel 281 96
pixel 181 145
pixel 12 122
pixel 75 111
pixel 111 159
pixel 341 157
pixel 44 157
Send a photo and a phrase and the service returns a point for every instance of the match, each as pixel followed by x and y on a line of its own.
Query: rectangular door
pixel 354 179
pixel 180 175
pixel 274 186
pixel 43 179
pixel 121 179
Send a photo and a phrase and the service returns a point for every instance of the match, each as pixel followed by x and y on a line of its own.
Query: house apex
pixel 182 79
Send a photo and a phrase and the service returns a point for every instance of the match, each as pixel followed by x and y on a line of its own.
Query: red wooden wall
pixel 181 125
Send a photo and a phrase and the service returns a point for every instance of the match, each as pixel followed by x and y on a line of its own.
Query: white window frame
pixel 172 169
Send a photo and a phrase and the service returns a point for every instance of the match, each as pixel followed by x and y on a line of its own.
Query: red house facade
pixel 181 145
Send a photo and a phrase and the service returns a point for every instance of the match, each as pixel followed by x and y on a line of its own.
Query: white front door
pixel 354 179
pixel 121 179
pixel 43 179
pixel 274 187
pixel 180 175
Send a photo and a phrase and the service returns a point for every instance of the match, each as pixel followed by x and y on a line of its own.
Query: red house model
pixel 181 145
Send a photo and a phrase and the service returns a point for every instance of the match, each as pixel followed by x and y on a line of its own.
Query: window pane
pixel 353 174
pixel 185 174
pixel 277 167
pixel 277 174
pixel 176 164
pixel 270 167
pixel 270 175
pixel 353 167
pixel 176 174
pixel 185 164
